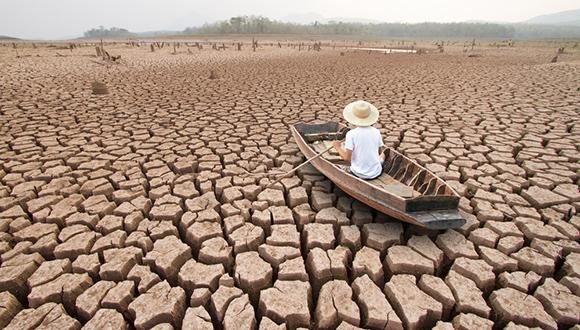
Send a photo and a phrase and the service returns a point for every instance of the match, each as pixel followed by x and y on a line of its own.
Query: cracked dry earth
pixel 133 209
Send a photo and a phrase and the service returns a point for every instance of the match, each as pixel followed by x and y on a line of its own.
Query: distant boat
pixel 406 190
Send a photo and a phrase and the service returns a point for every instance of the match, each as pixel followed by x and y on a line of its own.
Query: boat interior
pixel 401 176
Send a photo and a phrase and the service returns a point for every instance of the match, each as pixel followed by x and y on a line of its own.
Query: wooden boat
pixel 406 190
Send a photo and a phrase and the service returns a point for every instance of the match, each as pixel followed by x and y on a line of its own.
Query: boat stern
pixel 439 219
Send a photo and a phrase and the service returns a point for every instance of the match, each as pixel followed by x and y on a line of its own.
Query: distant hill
pixel 7 38
pixel 568 17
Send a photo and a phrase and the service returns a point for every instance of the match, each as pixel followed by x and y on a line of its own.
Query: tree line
pixel 256 25
pixel 264 25
pixel 102 32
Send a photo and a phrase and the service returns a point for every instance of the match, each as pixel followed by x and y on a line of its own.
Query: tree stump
pixel 254 44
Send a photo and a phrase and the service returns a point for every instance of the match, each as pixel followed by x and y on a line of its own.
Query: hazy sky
pixel 69 18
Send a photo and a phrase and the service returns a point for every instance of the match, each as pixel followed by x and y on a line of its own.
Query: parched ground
pixel 135 209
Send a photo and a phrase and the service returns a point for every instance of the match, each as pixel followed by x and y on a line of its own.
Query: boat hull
pixel 380 200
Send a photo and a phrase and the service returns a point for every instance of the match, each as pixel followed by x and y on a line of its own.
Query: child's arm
pixel 345 154
pixel 382 146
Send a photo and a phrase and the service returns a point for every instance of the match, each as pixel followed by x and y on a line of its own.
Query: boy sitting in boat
pixel 362 145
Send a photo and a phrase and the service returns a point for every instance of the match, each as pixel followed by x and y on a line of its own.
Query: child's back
pixel 365 143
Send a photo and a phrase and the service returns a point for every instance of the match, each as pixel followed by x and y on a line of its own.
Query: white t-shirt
pixel 364 143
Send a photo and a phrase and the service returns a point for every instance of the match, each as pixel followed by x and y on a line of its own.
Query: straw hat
pixel 361 113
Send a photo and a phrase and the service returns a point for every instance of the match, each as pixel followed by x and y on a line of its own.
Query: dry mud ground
pixel 131 209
